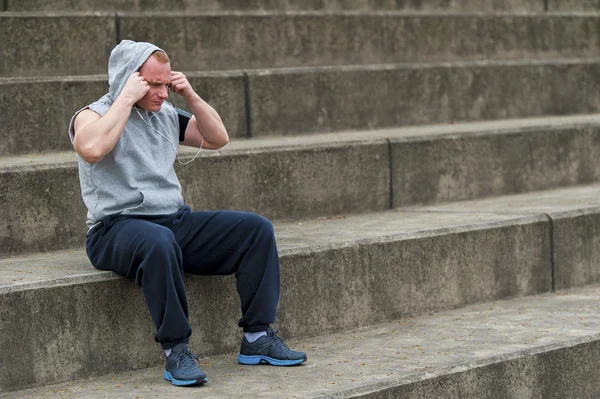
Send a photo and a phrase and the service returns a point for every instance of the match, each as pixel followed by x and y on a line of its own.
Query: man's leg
pixel 147 252
pixel 240 243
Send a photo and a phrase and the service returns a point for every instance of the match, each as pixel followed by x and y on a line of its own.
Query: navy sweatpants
pixel 155 251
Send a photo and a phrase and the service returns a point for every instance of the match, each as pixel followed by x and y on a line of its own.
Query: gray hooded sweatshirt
pixel 137 177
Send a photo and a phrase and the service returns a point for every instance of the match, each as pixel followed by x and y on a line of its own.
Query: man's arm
pixel 95 135
pixel 206 124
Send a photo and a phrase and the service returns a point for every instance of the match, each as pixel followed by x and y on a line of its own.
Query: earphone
pixel 170 142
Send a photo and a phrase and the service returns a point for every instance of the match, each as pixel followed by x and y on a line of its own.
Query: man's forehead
pixel 155 71
pixel 161 81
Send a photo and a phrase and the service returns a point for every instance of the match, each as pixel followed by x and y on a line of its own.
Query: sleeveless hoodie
pixel 137 177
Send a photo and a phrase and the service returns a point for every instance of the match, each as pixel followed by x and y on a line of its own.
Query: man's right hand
pixel 135 88
pixel 95 135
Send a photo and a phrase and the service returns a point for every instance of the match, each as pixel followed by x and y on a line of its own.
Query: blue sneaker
pixel 269 349
pixel 181 368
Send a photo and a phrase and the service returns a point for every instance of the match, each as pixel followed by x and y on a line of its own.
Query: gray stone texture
pixel 461 167
pixel 314 100
pixel 102 327
pixel 360 278
pixel 331 99
pixel 288 178
pixel 43 208
pixel 37 112
pixel 575 215
pixel 46 45
pixel 576 247
pixel 225 41
pixel 567 372
pixel 293 183
pixel 573 5
pixel 209 5
pixel 391 279
pixel 231 41
pixel 535 347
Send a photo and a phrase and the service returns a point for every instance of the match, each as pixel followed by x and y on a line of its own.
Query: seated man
pixel 139 226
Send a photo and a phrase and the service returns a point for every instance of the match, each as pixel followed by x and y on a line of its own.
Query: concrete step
pixel 575 260
pixel 33 43
pixel 37 111
pixel 545 346
pixel 333 174
pixel 213 5
pixel 573 5
pixel 337 273
pixel 38 45
pixel 298 101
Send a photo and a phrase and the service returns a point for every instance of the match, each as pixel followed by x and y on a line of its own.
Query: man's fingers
pixel 178 80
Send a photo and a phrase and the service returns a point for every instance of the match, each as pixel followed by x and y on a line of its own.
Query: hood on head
pixel 126 58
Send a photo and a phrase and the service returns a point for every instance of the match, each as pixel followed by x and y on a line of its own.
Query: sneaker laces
pixel 187 359
pixel 279 341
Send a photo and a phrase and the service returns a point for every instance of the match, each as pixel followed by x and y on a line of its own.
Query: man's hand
pixel 181 86
pixel 135 88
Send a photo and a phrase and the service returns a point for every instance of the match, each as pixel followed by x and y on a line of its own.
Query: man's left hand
pixel 180 85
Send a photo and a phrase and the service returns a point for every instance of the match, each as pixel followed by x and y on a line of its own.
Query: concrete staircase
pixel 417 157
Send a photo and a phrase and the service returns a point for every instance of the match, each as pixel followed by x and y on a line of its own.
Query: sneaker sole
pixel 259 359
pixel 182 383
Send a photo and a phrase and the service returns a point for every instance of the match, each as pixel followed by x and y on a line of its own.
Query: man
pixel 139 226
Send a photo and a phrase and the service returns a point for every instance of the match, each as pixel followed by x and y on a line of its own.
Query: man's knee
pixel 262 224
pixel 161 254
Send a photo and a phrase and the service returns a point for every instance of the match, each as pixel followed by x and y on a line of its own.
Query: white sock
pixel 251 337
pixel 168 352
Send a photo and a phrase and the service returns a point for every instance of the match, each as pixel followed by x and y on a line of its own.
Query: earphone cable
pixel 170 142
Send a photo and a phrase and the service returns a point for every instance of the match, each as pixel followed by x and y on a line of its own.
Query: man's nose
pixel 164 92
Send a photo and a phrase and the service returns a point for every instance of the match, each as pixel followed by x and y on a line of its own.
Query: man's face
pixel 158 76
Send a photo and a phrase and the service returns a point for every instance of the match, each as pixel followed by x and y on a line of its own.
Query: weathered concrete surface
pixel 573 5
pixel 575 215
pixel 42 207
pixel 577 247
pixel 254 40
pixel 37 111
pixel 465 166
pixel 310 100
pixel 293 183
pixel 55 44
pixel 205 5
pixel 332 174
pixel 336 274
pixel 226 41
pixel 313 100
pixel 542 347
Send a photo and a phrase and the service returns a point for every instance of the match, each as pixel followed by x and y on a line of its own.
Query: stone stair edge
pixel 27 263
pixel 372 390
pixel 531 230
pixel 401 134
pixel 524 245
pixel 260 72
pixel 279 12
pixel 387 376
pixel 391 176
